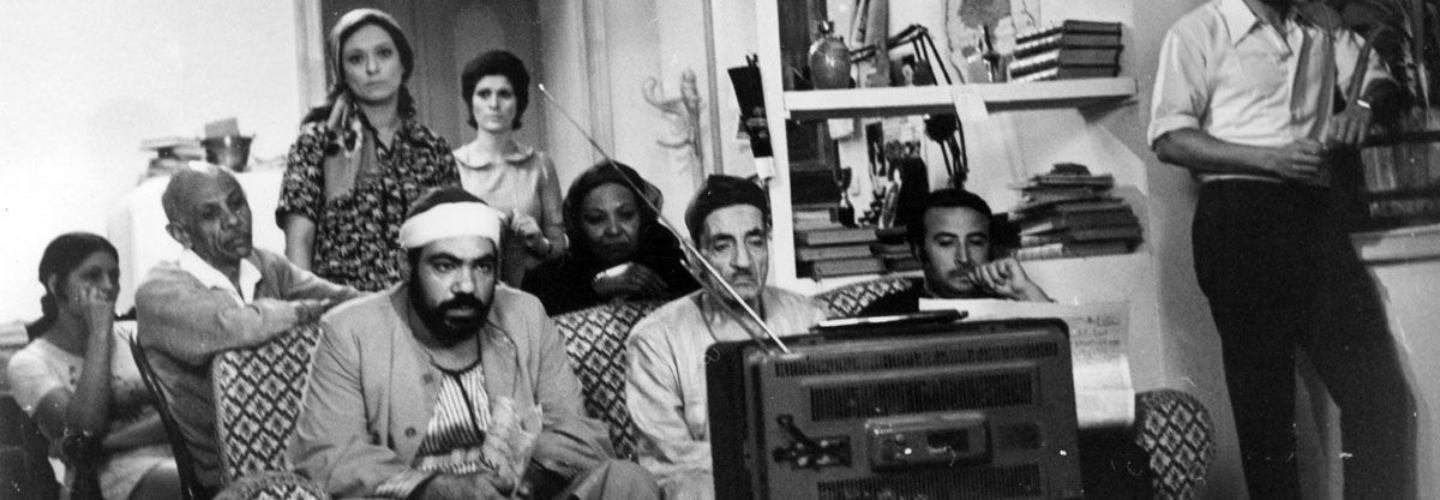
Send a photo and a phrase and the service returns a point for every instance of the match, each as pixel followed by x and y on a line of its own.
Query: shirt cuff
pixel 1166 124
pixel 404 484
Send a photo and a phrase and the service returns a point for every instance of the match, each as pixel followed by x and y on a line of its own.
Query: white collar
pixel 1240 20
pixel 213 278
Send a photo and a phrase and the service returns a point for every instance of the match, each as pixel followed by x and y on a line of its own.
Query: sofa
pixel 1164 456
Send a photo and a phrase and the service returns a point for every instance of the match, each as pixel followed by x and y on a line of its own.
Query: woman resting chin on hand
pixel 78 381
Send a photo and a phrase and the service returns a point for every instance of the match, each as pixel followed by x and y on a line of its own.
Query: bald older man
pixel 221 294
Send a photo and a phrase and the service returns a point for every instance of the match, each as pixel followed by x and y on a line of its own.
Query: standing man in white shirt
pixel 1245 99
pixel 221 294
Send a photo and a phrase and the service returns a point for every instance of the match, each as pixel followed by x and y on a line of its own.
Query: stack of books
pixel 893 251
pixel 1075 49
pixel 1071 213
pixel 827 252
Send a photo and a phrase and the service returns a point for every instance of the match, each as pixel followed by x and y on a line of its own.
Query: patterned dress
pixel 356 236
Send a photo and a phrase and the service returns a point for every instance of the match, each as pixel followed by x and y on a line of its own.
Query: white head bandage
pixel 450 220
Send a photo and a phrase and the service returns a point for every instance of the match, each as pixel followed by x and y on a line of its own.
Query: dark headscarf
pixel 65 253
pixel 720 191
pixel 496 63
pixel 611 173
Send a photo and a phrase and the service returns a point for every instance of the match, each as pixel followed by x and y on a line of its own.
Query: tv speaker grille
pixel 920 358
pixel 900 397
pixel 971 483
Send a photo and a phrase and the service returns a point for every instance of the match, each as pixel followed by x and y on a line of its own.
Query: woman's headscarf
pixel 349 149
pixel 598 175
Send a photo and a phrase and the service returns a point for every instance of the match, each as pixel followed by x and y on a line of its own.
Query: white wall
pixel 85 82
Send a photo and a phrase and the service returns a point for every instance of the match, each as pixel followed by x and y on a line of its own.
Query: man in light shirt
pixel 1245 99
pixel 221 294
pixel 729 221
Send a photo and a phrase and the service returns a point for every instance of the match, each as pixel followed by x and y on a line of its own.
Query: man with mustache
pixel 221 294
pixel 952 239
pixel 450 385
pixel 1248 99
pixel 729 222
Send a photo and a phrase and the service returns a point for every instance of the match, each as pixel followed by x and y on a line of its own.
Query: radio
pixel 970 411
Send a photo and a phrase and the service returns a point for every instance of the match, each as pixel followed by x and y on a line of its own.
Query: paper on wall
pixel 1104 392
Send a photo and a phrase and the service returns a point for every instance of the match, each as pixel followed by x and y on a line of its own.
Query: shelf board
pixel 897 101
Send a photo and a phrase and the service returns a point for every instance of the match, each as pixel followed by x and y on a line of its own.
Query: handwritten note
pixel 1104 392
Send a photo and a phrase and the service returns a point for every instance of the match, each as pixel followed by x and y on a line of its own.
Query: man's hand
pixel 629 279
pixel 1302 161
pixel 478 486
pixel 1349 128
pixel 310 310
pixel 1006 278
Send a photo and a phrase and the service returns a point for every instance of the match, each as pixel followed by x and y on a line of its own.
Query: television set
pixel 936 411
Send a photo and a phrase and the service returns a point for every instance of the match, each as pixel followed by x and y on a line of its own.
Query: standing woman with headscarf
pixel 512 177
pixel 360 160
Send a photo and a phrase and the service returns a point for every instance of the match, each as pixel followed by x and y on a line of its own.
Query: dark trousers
pixel 1280 275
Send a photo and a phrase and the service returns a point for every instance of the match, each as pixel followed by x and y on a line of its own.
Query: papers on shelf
pixel 1104 392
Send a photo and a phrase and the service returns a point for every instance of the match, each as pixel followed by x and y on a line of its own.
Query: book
pixel 891 234
pixel 811 225
pixel 1129 233
pixel 821 269
pixel 1066 56
pixel 1059 39
pixel 1059 222
pixel 810 254
pixel 1068 73
pixel 1074 249
pixel 901 265
pixel 1049 194
pixel 835 236
pixel 1064 206
pixel 890 249
pixel 1067 180
pixel 1071 27
pixel 1083 26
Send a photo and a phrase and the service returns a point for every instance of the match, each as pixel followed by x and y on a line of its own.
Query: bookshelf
pixel 998 97
pixel 881 102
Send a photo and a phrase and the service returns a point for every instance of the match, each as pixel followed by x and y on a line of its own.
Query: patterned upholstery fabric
pixel 273 485
pixel 1175 430
pixel 595 341
pixel 258 394
pixel 847 301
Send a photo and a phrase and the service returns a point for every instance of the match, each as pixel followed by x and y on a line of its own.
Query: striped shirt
pixel 455 436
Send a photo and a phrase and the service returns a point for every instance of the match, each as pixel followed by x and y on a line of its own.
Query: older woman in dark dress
pixel 618 248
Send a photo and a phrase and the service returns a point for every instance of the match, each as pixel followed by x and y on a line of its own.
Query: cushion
pixel 847 301
pixel 1175 430
pixel 259 394
pixel 595 340
pixel 272 485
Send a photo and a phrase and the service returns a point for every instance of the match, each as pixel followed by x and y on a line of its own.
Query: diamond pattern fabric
pixel 595 340
pixel 258 397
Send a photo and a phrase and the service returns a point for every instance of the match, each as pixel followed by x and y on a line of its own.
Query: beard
pixel 451 321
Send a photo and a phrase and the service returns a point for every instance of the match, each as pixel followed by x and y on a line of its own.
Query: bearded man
pixel 450 385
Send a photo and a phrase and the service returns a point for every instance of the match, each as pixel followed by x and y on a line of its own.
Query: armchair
pixel 595 340
pixel 258 395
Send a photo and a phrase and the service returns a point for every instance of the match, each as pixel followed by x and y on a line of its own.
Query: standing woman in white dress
pixel 514 178
pixel 78 380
